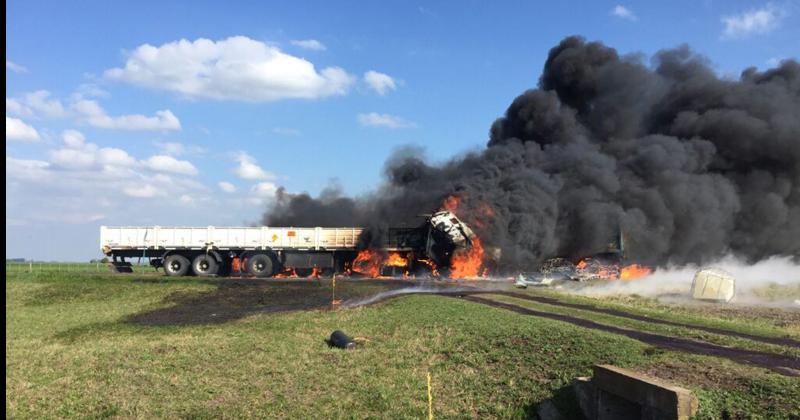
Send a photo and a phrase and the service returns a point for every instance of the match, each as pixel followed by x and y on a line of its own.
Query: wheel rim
pixel 175 266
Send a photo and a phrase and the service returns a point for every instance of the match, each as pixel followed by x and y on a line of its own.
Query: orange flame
pixel 633 272
pixel 451 204
pixel 597 269
pixel 467 263
pixel 288 272
pixel 431 265
pixel 368 262
pixel 395 259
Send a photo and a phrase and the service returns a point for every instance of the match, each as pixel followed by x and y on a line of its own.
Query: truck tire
pixel 176 265
pixel 205 265
pixel 260 265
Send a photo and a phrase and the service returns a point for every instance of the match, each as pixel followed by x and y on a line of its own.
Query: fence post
pixel 30 267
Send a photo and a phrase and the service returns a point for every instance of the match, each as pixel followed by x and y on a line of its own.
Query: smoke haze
pixel 676 282
pixel 689 165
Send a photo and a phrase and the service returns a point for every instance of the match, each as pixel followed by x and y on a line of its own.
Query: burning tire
pixel 205 265
pixel 260 265
pixel 176 265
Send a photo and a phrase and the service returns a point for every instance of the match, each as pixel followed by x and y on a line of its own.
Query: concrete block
pixel 586 394
pixel 657 399
pixel 614 407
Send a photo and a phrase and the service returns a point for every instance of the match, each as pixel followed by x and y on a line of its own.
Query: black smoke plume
pixel 689 165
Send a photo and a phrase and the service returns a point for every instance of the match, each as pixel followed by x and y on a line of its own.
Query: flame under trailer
pixel 267 250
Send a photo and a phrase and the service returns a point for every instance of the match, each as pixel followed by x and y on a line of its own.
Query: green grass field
pixel 99 345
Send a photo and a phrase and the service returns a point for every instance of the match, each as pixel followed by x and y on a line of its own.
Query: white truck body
pixel 266 250
pixel 223 238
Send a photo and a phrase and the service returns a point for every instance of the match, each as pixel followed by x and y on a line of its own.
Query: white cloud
pixel 16 129
pixel 142 191
pixel 89 90
pixel 262 192
pixel 73 158
pixel 623 12
pixel 40 104
pixel 264 189
pixel 77 154
pixel 379 82
pixel 16 68
pixel 163 163
pixel 236 68
pixel 756 21
pixel 309 44
pixel 36 103
pixel 114 157
pixel 178 149
pixel 227 187
pixel 73 139
pixel 13 106
pixel 84 182
pixel 26 169
pixel 91 112
pixel 248 169
pixel 373 119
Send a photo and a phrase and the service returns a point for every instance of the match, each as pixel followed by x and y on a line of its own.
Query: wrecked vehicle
pixel 268 251
pixel 552 271
pixel 524 280
pixel 607 265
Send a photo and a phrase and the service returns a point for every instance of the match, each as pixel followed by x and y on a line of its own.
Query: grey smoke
pixel 689 165
pixel 675 283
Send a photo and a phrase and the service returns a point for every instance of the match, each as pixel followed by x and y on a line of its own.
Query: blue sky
pixel 134 113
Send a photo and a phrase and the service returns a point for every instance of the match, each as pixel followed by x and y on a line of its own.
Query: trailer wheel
pixel 205 265
pixel 260 265
pixel 176 265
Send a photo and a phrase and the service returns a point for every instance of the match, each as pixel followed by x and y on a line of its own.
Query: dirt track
pixel 784 365
pixel 551 301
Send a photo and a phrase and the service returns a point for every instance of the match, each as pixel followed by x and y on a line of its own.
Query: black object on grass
pixel 341 340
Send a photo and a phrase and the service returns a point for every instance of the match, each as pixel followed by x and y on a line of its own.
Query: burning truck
pixel 610 264
pixel 441 246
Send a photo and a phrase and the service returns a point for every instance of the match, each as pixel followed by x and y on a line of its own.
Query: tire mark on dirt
pixel 622 314
pixel 784 365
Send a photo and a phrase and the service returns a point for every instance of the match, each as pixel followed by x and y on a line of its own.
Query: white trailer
pixel 210 250
pixel 224 238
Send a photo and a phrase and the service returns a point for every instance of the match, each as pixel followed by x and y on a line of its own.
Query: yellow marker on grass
pixel 333 291
pixel 430 399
